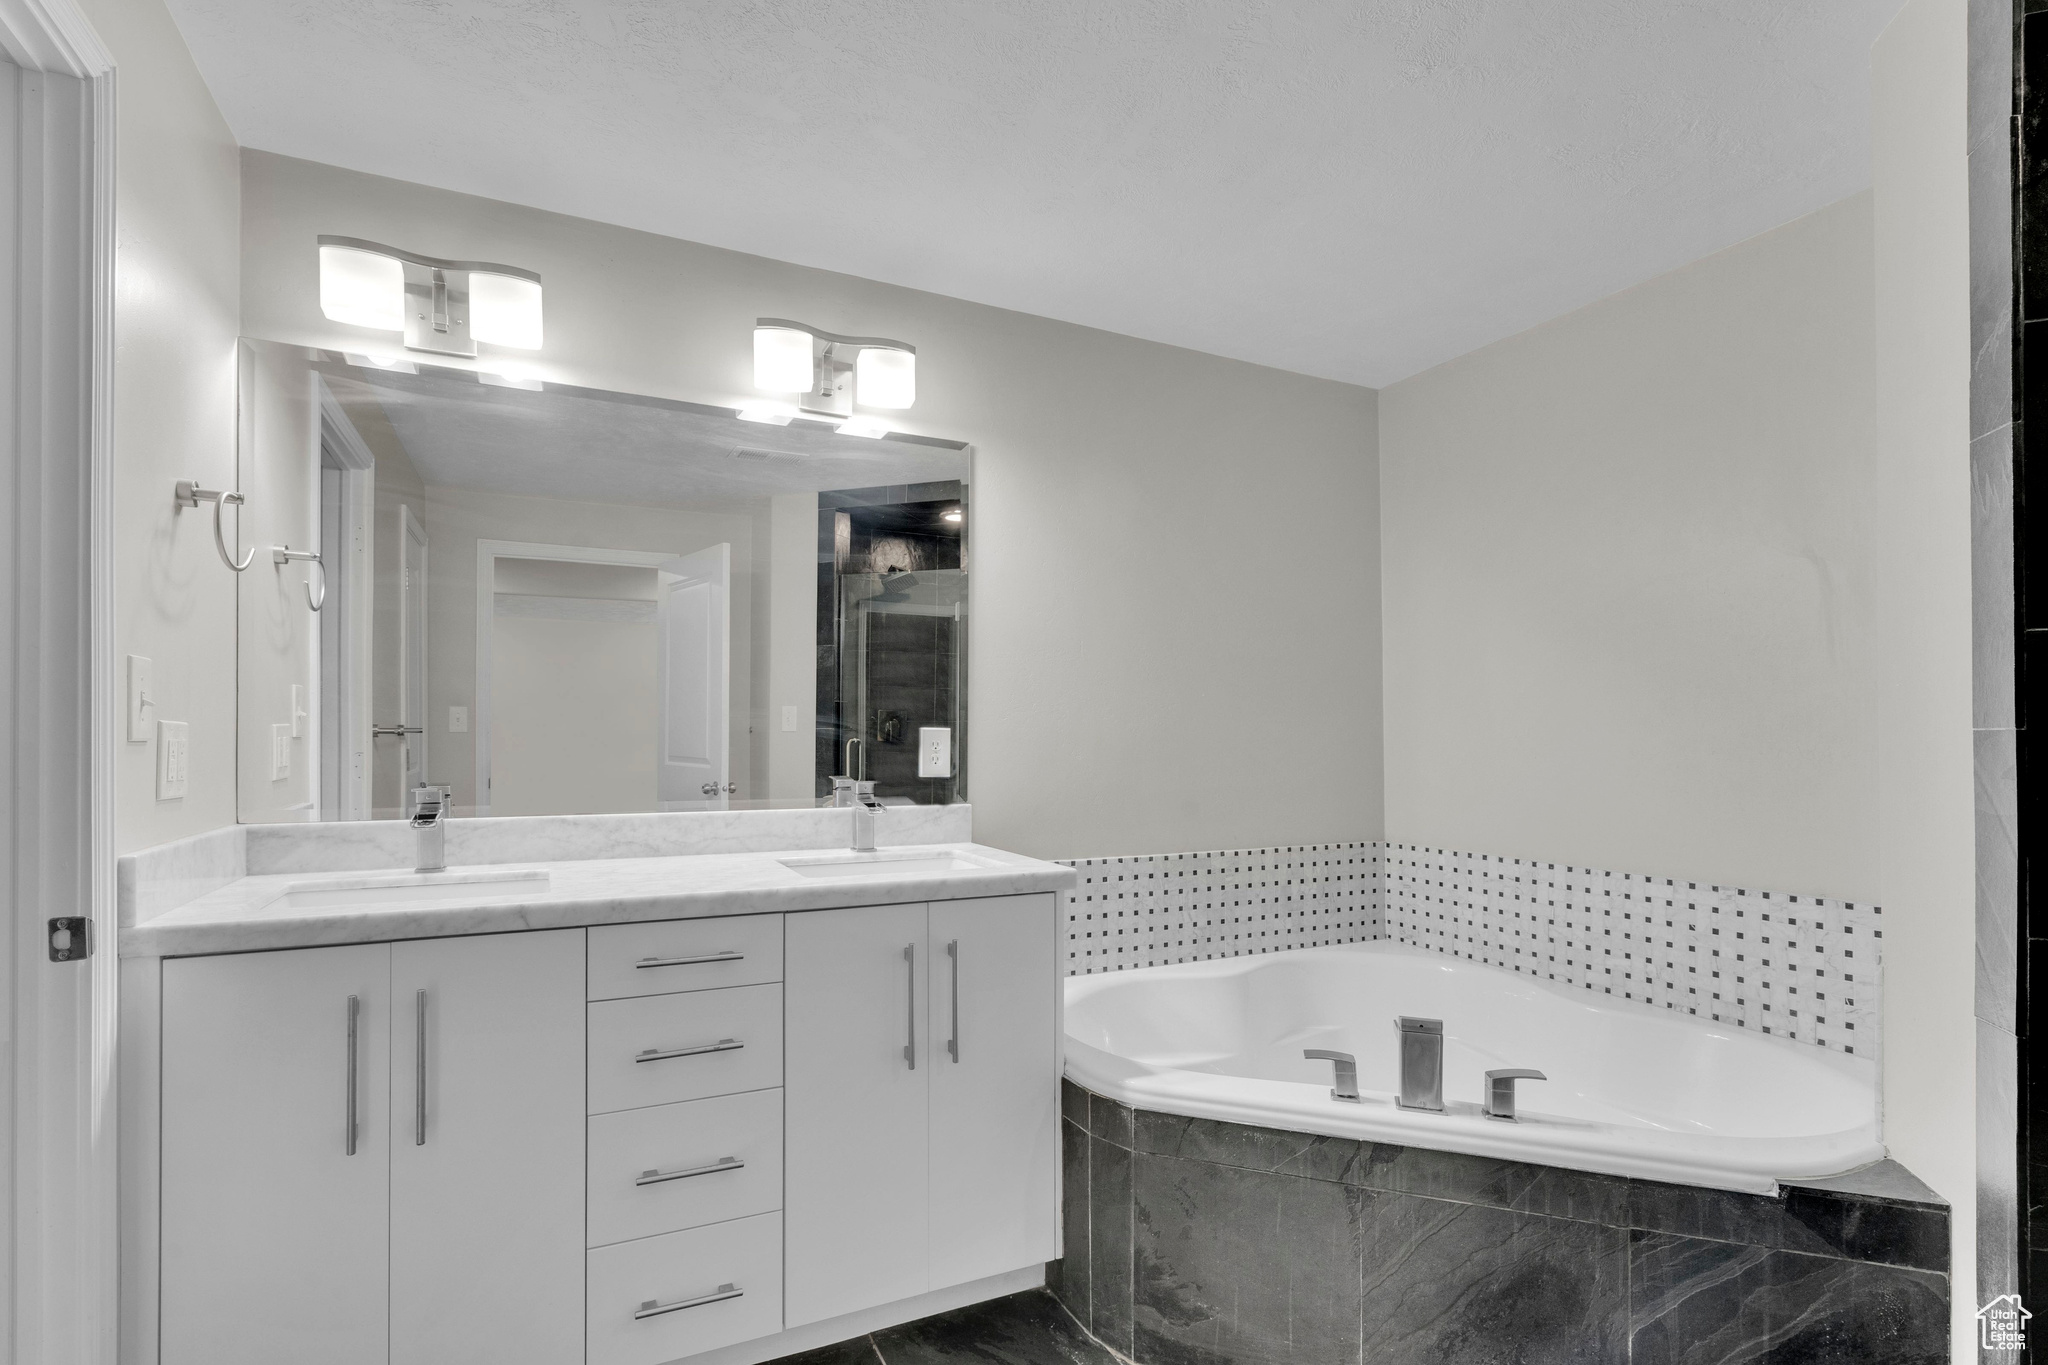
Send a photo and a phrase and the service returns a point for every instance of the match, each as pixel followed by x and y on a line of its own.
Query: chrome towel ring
pixel 281 555
pixel 189 494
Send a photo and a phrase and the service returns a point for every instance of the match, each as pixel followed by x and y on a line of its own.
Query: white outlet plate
pixel 935 751
pixel 280 752
pixel 173 759
pixel 789 720
pixel 458 720
pixel 298 709
pixel 141 699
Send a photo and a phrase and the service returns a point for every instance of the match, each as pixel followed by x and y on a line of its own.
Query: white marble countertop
pixel 254 912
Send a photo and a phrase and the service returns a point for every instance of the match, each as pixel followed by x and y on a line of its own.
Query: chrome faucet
pixel 1347 1072
pixel 865 809
pixel 1422 1063
pixel 1500 1090
pixel 430 826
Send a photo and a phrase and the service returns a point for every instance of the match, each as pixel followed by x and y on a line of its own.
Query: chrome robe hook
pixel 281 555
pixel 190 494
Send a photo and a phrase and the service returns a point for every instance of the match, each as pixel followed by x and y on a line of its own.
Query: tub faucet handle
pixel 1500 1090
pixel 1347 1071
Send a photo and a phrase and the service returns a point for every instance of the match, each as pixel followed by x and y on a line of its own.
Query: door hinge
pixel 70 938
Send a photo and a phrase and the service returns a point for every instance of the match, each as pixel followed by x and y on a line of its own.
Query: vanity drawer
pixel 672 1167
pixel 683 1272
pixel 684 955
pixel 660 1049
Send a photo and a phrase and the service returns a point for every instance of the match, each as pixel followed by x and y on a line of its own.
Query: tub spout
pixel 1347 1072
pixel 1500 1090
pixel 1422 1063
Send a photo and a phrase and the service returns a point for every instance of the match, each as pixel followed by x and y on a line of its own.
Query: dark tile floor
pixel 1023 1329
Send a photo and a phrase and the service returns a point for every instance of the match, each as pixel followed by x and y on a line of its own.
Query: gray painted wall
pixel 1175 556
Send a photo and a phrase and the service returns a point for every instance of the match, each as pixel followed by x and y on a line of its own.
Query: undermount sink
pixel 424 888
pixel 882 864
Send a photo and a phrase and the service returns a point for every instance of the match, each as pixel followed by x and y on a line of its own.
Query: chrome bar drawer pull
pixel 910 1046
pixel 953 1043
pixel 655 1054
pixel 724 1163
pixel 651 1309
pixel 419 1070
pixel 355 1007
pixel 689 961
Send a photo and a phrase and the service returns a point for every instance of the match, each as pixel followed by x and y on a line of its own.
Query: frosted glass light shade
pixel 782 360
pixel 362 288
pixel 504 310
pixel 884 377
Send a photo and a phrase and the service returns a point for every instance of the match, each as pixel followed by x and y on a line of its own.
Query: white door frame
pixel 351 565
pixel 412 654
pixel 488 553
pixel 59 1258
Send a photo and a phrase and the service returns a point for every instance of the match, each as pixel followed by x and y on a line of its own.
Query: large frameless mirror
pixel 543 599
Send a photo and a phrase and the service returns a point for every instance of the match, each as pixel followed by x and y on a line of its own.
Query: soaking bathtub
pixel 1630 1092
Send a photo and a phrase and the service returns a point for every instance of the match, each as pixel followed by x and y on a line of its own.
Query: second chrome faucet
pixel 1422 1072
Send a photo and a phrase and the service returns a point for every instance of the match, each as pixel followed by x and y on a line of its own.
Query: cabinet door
pixel 995 1133
pixel 274 1213
pixel 487 1149
pixel 855 1182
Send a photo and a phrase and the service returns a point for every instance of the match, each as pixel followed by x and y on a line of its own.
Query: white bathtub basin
pixel 1630 1092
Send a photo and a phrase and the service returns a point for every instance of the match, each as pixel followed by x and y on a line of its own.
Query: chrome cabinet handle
pixel 349 1145
pixel 655 1054
pixel 724 1163
pixel 688 961
pixel 953 1043
pixel 651 1309
pixel 910 1046
pixel 419 1070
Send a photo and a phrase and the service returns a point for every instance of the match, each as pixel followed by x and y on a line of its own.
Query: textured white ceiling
pixel 1356 189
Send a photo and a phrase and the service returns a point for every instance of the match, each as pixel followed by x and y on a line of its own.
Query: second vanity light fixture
pixel 810 371
pixel 442 306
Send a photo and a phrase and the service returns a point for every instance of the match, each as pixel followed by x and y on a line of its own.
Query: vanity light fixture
pixel 825 374
pixel 952 514
pixel 442 306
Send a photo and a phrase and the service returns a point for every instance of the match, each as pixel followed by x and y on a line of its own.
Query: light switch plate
pixel 458 720
pixel 280 752
pixel 141 699
pixel 298 709
pixel 935 751
pixel 789 720
pixel 173 759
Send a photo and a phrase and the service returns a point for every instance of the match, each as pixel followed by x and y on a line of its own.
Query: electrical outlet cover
pixel 458 720
pixel 789 720
pixel 935 751
pixel 280 752
pixel 173 759
pixel 298 709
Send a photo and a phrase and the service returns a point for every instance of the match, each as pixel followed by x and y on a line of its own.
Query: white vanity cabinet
pixel 275 1236
pixel 923 1075
pixel 447 1224
pixel 624 1144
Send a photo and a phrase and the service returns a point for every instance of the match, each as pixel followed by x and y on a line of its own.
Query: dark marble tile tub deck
pixel 1193 1242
